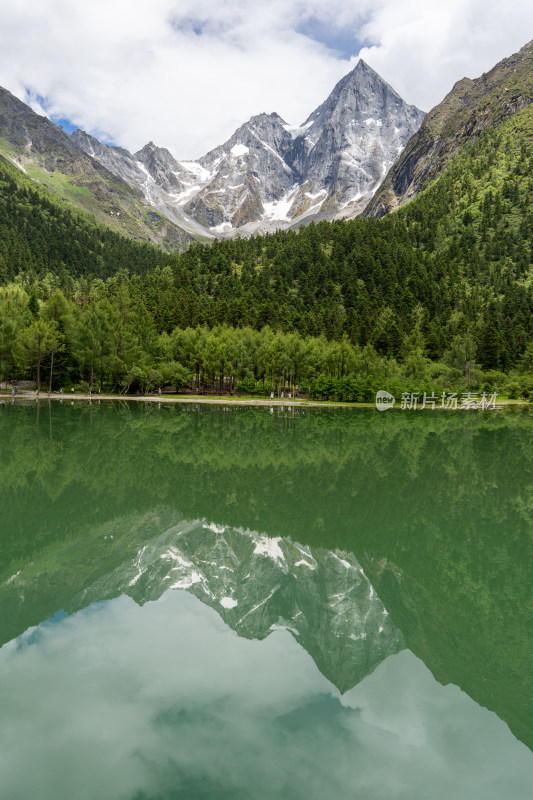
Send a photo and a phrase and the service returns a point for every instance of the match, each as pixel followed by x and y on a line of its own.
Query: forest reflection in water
pixel 432 511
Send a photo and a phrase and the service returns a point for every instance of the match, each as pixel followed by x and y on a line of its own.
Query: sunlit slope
pixel 39 233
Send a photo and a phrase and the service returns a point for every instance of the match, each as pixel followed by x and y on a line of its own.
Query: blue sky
pixel 345 42
pixel 187 73
pixel 42 103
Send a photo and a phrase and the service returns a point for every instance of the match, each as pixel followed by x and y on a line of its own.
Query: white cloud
pixel 425 47
pixel 186 73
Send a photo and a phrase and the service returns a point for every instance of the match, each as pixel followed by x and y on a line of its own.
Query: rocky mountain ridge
pixel 270 174
pixel 51 157
pixel 363 150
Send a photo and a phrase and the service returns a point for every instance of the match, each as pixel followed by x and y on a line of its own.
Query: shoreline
pixel 237 401
pixel 209 400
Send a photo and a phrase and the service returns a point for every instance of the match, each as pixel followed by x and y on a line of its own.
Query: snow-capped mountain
pixel 246 177
pixel 270 174
pixel 48 155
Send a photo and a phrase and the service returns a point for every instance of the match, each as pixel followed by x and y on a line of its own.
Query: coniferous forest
pixel 436 295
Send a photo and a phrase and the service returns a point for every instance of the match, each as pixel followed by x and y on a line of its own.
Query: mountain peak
pixel 363 70
pixel 269 173
pixel 93 147
pixel 361 94
pixel 79 134
pixel 156 160
pixel 366 79
pixel 268 127
pixel 361 66
pixel 265 118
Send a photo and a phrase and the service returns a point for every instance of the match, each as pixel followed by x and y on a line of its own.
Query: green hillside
pixel 39 234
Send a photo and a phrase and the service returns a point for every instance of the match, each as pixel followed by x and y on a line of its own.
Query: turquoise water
pixel 212 602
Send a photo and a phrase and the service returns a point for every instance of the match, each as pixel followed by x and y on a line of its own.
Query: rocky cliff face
pixel 470 108
pixel 350 142
pixel 245 177
pixel 270 174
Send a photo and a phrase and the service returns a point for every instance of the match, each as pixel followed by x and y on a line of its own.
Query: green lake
pixel 237 602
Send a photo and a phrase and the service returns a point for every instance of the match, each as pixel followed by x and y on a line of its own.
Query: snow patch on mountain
pixel 239 150
pixel 265 546
pixel 228 602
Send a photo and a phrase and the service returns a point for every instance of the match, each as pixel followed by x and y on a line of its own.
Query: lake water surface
pixel 223 602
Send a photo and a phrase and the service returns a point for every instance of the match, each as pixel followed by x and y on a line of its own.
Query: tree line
pixel 107 340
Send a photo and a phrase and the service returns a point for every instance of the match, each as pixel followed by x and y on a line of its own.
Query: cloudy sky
pixel 186 73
